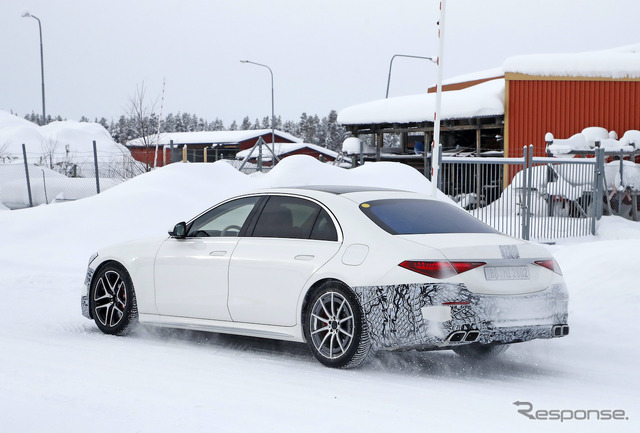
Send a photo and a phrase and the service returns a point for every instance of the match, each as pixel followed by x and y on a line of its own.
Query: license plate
pixel 506 273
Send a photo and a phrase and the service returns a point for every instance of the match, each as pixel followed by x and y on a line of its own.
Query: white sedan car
pixel 348 270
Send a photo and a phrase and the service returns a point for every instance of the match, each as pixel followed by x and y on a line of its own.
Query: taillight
pixel 439 269
pixel 550 264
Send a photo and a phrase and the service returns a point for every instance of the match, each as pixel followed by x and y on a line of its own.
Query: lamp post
pixel 28 15
pixel 431 59
pixel 273 119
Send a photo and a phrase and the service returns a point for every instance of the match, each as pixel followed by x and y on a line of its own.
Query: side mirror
pixel 179 231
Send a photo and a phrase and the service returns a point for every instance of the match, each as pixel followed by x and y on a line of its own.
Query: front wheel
pixel 335 329
pixel 112 300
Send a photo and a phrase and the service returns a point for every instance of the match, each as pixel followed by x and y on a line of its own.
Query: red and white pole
pixel 435 147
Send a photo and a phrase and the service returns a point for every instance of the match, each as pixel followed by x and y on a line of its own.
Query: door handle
pixel 217 253
pixel 304 257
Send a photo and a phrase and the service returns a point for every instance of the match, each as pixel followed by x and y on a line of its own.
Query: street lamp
pixel 28 15
pixel 431 59
pixel 273 119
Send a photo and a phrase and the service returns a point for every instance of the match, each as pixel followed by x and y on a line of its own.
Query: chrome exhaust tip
pixel 456 336
pixel 560 330
pixel 472 336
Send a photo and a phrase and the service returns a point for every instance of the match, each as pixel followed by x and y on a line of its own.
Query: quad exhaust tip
pixel 560 330
pixel 460 336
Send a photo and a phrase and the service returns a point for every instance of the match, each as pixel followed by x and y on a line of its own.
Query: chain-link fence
pixel 532 198
pixel 43 178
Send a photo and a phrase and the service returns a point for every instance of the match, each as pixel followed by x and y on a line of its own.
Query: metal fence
pixel 44 178
pixel 530 197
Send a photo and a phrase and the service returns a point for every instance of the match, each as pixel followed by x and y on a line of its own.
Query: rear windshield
pixel 414 216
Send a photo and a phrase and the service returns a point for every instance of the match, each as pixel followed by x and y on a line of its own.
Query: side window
pixel 287 217
pixel 225 220
pixel 324 229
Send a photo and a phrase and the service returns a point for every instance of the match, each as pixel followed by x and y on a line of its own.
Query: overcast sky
pixel 324 54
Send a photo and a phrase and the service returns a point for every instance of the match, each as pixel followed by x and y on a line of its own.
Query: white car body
pixel 259 286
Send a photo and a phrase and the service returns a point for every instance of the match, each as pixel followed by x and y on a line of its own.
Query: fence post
pixel 184 153
pixel 439 180
pixel 26 172
pixel 95 166
pixel 598 190
pixel 527 152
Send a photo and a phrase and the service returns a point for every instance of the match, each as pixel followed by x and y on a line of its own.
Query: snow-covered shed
pixel 283 150
pixel 220 144
pixel 471 117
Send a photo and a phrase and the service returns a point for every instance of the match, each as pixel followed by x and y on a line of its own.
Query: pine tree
pixel 246 124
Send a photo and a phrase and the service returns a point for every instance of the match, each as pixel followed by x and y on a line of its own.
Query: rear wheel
pixel 335 329
pixel 113 301
pixel 480 351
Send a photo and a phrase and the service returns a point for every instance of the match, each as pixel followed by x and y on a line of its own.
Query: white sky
pixel 325 54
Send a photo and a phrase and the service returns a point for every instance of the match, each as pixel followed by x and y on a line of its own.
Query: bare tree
pixel 145 121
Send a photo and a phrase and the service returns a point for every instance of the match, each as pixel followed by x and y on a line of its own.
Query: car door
pixel 293 237
pixel 191 274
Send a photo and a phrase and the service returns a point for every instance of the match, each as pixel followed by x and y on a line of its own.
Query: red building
pixel 218 145
pixel 563 94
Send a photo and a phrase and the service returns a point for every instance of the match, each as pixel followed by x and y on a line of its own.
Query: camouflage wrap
pixel 395 318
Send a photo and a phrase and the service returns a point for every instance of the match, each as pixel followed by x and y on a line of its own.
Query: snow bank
pixel 66 145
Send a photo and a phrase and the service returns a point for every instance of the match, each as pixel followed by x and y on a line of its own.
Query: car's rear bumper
pixel 433 316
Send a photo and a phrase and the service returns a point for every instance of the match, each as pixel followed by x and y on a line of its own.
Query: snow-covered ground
pixel 58 373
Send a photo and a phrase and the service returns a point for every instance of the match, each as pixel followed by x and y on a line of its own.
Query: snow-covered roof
pixel 284 148
pixel 474 76
pixel 622 62
pixel 485 99
pixel 214 137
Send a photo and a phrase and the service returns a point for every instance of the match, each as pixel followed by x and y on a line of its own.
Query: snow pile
pixel 586 141
pixel 353 145
pixel 619 63
pixel 485 99
pixel 65 146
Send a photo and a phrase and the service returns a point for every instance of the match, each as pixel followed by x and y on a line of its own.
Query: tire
pixel 480 351
pixel 112 300
pixel 335 329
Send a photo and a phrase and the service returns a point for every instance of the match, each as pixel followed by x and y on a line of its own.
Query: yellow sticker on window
pixel 365 205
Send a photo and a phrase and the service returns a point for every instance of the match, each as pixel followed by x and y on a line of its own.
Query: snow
pixel 352 146
pixel 586 140
pixel 619 63
pixel 64 144
pixel 485 99
pixel 58 373
pixel 206 137
pixel 476 75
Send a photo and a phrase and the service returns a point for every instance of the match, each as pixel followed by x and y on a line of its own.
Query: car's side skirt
pixel 288 333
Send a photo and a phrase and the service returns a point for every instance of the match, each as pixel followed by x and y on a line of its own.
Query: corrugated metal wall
pixel 565 107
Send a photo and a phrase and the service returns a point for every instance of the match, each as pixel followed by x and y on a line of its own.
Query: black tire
pixel 112 300
pixel 480 351
pixel 335 329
